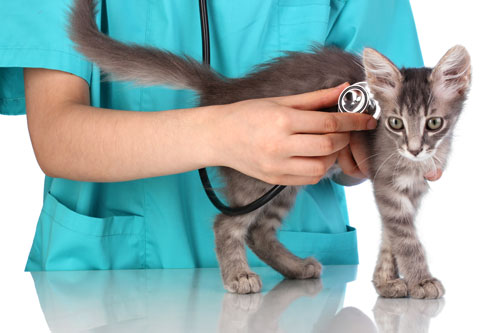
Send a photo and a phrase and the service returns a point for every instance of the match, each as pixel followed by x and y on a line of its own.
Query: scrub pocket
pixel 67 240
pixel 329 249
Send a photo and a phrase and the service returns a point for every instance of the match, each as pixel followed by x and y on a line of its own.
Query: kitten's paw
pixel 243 283
pixel 312 269
pixel 429 288
pixel 308 268
pixel 392 288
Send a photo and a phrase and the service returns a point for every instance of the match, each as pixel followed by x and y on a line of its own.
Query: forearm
pixel 276 140
pixel 91 144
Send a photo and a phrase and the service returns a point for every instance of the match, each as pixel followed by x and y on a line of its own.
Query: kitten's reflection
pixel 258 313
pixel 194 301
pixel 406 315
pixel 263 313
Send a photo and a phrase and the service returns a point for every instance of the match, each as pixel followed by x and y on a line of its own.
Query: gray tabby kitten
pixel 420 108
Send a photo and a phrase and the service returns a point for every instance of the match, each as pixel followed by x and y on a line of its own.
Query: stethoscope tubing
pixel 269 195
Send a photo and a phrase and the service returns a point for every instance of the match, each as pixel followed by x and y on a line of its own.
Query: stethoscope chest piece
pixel 357 98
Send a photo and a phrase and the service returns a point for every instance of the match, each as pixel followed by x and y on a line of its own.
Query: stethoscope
pixel 356 98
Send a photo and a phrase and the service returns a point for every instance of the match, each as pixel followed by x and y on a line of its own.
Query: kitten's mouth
pixel 421 157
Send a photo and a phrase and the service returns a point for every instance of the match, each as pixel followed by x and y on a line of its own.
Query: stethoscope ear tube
pixel 205 32
pixel 240 210
pixel 230 211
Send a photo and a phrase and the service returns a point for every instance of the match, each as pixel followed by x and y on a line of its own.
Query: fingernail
pixel 343 84
pixel 372 124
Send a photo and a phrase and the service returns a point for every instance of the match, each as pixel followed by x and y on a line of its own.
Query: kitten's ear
pixel 452 75
pixel 383 77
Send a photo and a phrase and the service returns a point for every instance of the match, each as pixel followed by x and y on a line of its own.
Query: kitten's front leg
pixel 386 276
pixel 398 210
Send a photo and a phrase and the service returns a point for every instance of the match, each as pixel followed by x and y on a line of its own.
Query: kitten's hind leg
pixel 386 276
pixel 230 233
pixel 263 242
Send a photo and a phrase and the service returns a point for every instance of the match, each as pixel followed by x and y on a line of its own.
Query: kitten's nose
pixel 416 151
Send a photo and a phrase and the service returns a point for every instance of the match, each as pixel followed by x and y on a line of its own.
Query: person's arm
pixel 75 141
pixel 273 139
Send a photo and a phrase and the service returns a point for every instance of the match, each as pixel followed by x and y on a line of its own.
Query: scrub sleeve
pixel 166 222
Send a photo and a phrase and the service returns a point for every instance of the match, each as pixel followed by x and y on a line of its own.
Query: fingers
pixel 300 170
pixel 348 165
pixel 315 100
pixel 316 145
pixel 360 153
pixel 314 167
pixel 325 122
pixel 292 180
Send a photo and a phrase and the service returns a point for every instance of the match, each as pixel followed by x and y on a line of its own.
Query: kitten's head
pixel 420 106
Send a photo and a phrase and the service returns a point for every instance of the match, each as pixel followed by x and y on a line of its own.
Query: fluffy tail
pixel 130 62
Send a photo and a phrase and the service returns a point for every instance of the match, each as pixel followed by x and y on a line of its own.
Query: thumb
pixel 315 100
pixel 434 175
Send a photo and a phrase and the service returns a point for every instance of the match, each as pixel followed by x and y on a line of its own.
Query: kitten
pixel 420 107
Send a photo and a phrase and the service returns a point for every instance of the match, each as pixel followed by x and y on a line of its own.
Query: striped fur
pixel 402 158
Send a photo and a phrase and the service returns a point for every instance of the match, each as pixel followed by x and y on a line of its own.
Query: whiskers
pixel 368 158
pixel 382 164
pixel 438 159
pixel 414 168
pixel 396 169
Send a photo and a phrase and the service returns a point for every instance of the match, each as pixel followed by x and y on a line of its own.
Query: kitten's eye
pixel 396 123
pixel 435 123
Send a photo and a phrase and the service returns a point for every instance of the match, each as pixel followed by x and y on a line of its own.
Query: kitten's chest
pixel 410 183
pixel 396 174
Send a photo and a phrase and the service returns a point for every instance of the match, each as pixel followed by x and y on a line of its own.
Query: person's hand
pixel 280 141
pixel 353 159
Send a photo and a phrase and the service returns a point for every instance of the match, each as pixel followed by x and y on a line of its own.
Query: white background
pixel 458 221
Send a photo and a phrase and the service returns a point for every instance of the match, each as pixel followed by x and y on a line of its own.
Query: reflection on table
pixel 193 300
pixel 406 315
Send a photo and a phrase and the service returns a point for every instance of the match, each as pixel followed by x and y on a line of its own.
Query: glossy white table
pixel 193 300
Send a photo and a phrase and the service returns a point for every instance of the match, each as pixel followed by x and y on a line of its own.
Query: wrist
pixel 211 135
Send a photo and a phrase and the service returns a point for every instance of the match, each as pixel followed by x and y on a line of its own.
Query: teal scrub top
pixel 166 222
